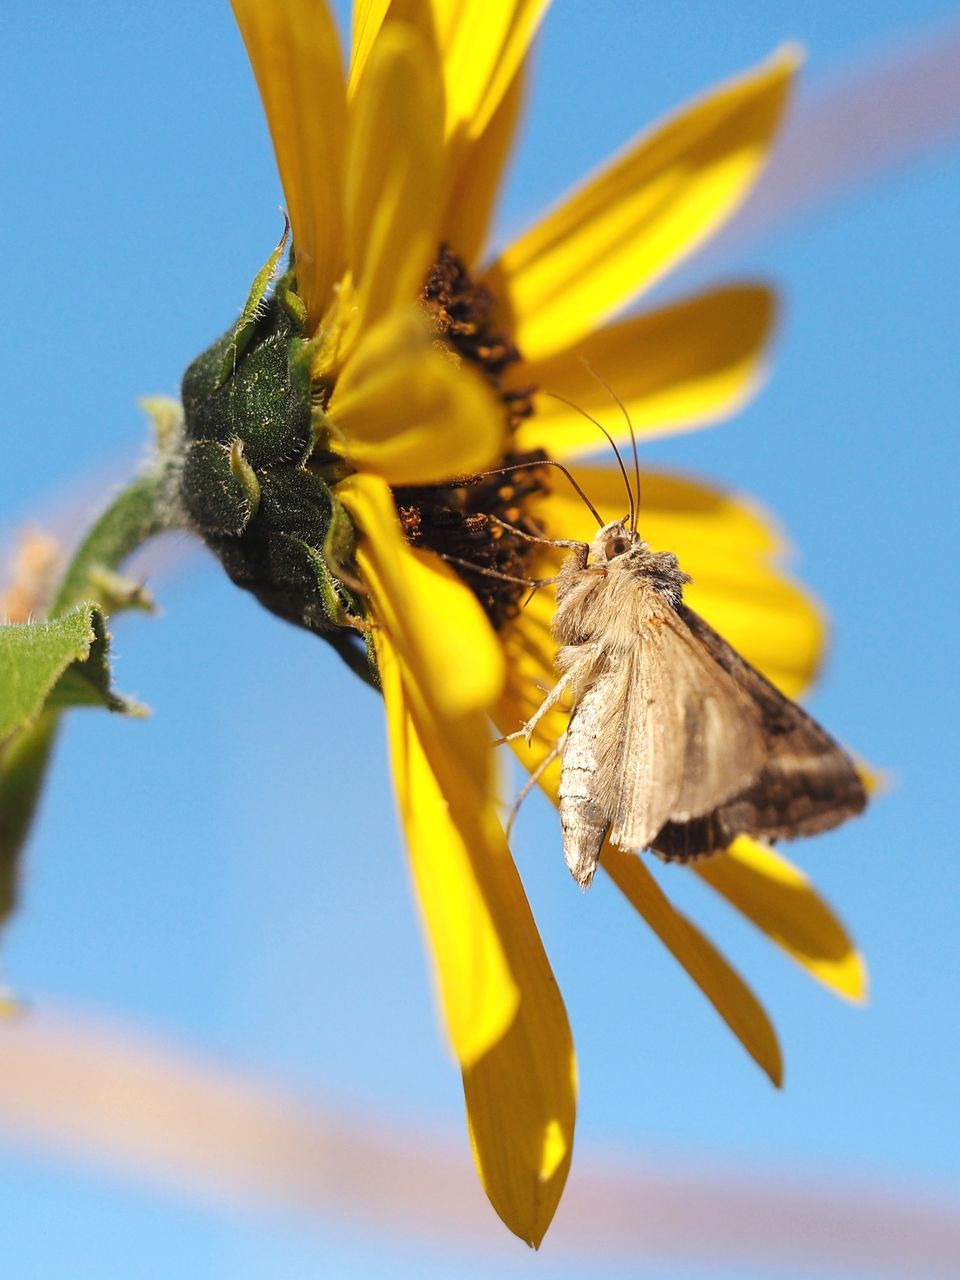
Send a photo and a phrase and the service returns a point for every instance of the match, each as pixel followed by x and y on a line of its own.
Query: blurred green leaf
pixel 46 667
pixel 23 762
pixel 61 663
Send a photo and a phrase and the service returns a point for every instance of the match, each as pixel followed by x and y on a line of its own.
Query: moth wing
pixel 806 784
pixel 681 737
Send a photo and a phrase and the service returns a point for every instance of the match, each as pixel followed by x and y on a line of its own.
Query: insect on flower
pixel 675 742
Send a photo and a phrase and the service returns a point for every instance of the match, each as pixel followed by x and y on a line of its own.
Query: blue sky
pixel 230 873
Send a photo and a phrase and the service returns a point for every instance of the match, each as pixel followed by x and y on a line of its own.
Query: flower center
pixel 461 520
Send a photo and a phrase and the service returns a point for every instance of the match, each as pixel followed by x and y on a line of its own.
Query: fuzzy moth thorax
pixel 603 596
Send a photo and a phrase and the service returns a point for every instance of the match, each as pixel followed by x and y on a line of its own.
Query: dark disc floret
pixel 464 520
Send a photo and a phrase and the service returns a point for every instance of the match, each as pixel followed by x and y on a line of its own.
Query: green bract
pixel 58 664
pixel 250 481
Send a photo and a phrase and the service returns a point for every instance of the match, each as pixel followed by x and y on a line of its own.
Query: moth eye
pixel 616 547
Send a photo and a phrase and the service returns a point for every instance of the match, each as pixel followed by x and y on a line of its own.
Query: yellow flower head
pixel 424 363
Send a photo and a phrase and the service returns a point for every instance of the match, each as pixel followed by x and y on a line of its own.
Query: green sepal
pixel 250 483
pixel 340 540
pixel 219 488
pixel 280 558
pixel 292 303
pixel 245 476
pixel 245 327
pixel 57 664
pixel 264 401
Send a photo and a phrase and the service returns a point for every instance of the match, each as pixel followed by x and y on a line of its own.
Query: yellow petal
pixel 477 991
pixel 719 982
pixel 483 47
pixel 368 17
pixel 408 411
pixel 477 167
pixel 676 368
pixel 433 620
pixel 780 900
pixel 500 1000
pixel 728 546
pixel 394 172
pixel 635 219
pixel 521 1108
pixel 296 58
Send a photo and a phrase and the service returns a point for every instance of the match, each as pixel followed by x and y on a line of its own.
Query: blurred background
pixel 228 876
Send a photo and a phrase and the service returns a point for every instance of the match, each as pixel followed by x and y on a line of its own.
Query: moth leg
pixel 550 701
pixel 495 573
pixel 581 548
pixel 532 781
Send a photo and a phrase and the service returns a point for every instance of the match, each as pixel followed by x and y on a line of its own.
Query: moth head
pixel 614 540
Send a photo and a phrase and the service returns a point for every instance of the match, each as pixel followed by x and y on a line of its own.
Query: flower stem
pixel 136 514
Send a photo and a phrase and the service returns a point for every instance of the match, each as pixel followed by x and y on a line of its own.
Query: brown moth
pixel 675 743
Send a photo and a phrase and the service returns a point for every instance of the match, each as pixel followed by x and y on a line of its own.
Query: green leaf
pixel 48 666
pixel 23 762
pixel 61 663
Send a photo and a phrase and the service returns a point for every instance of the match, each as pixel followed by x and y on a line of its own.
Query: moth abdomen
pixel 582 818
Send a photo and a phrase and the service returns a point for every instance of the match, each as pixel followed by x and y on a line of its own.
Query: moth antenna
pixel 610 440
pixel 541 462
pixel 633 435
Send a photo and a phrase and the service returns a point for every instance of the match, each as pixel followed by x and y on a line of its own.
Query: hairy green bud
pixel 246 483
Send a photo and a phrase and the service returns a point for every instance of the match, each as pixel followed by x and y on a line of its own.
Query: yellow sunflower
pixel 430 363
